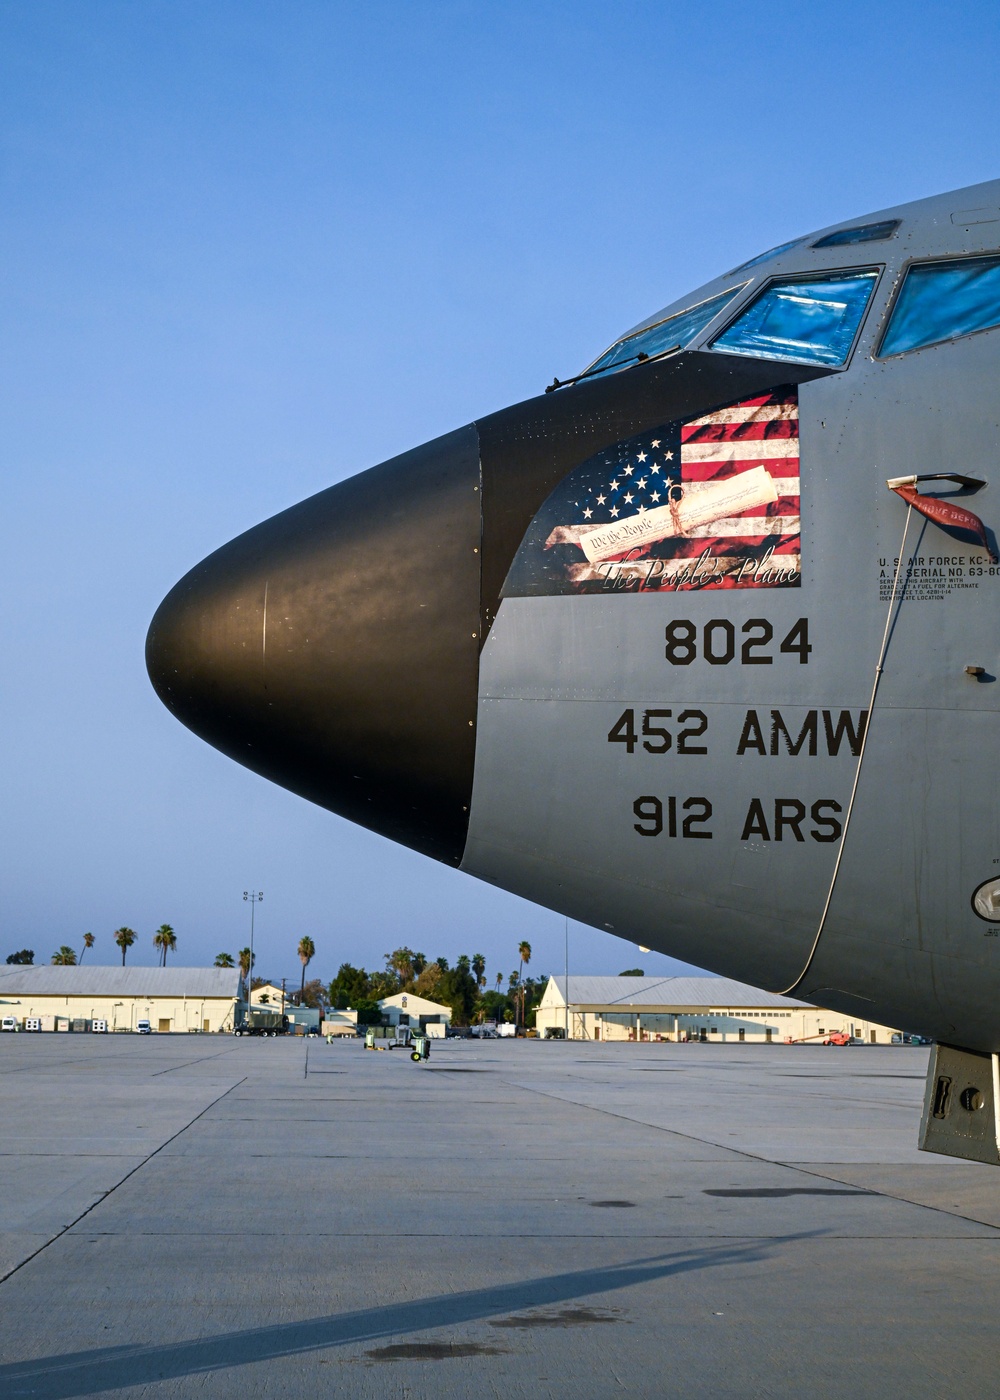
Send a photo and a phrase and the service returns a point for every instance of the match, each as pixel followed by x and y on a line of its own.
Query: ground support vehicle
pixel 262 1023
pixel 420 1047
pixel 389 1038
pixel 827 1038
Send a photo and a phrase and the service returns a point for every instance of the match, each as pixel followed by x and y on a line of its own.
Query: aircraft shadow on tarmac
pixel 72 1374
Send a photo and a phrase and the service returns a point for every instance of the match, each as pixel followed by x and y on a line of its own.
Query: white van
pixel 9 1023
pixel 144 1028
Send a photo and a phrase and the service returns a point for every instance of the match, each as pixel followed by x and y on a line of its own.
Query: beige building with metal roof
pixel 714 1009
pixel 407 1009
pixel 170 998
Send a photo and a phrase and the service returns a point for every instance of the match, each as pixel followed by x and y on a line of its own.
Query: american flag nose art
pixel 711 501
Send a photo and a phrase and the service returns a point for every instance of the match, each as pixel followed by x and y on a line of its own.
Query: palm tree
pixel 524 953
pixel 225 960
pixel 65 957
pixel 245 962
pixel 307 951
pixel 88 942
pixel 401 963
pixel 479 970
pixel 166 940
pixel 125 937
pixel 499 980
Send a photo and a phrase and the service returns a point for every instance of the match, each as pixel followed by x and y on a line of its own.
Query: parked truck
pixel 260 1022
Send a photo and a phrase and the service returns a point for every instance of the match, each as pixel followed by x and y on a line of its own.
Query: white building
pixel 170 998
pixel 269 997
pixel 407 1009
pixel 714 1009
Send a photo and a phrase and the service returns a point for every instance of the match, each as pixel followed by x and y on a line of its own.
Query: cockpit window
pixel 771 253
pixel 665 335
pixel 808 321
pixel 860 233
pixel 942 300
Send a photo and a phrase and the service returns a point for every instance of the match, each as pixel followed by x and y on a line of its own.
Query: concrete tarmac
pixel 206 1216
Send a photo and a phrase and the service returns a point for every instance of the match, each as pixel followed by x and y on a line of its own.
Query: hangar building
pixel 714 1009
pixel 407 1009
pixel 170 998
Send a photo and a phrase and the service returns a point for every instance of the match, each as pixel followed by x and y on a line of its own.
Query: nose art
pixel 333 649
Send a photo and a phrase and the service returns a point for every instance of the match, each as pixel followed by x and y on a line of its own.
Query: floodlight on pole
pixel 253 898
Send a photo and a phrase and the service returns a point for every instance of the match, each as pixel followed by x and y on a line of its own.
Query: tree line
pixel 164 940
pixel 247 960
pixel 463 988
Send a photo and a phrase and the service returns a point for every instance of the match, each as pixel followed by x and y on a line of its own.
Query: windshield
pixel 670 334
pixel 811 321
pixel 771 253
pixel 943 300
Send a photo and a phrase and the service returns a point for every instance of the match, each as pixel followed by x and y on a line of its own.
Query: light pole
pixel 567 976
pixel 253 897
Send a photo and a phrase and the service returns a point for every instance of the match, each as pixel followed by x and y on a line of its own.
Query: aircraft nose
pixel 334 648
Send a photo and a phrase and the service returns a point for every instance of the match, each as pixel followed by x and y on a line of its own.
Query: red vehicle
pixel 833 1038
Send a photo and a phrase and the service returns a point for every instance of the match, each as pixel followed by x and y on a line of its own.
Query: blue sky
pixel 247 249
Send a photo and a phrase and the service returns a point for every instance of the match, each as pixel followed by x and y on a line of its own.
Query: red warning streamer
pixel 944 513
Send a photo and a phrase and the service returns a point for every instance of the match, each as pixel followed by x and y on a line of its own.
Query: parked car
pixel 9 1023
pixel 144 1028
